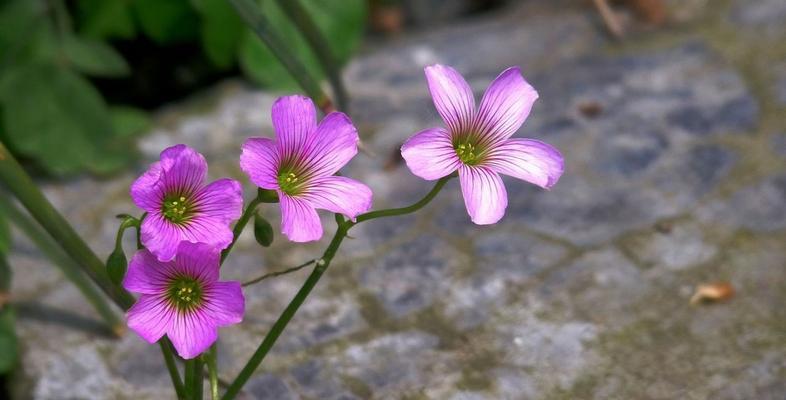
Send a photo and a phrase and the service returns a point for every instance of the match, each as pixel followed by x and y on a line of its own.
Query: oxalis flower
pixel 181 207
pixel 299 165
pixel 477 142
pixel 182 298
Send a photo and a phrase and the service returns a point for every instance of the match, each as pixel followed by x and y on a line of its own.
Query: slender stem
pixel 69 268
pixel 321 266
pixel 23 188
pixel 198 379
pixel 249 11
pixel 190 376
pixel 405 210
pixel 171 366
pixel 212 370
pixel 319 46
pixel 240 224
pixel 278 273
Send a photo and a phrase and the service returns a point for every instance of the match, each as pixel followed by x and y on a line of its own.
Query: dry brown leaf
pixel 650 11
pixel 590 109
pixel 712 292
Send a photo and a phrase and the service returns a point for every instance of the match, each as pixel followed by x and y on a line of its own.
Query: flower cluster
pixel 187 223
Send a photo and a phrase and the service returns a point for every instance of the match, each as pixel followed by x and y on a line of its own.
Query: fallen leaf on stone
pixel 590 109
pixel 650 11
pixel 712 292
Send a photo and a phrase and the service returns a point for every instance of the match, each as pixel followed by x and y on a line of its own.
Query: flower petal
pixel 333 144
pixel 531 160
pixel 294 120
pixel 192 333
pixel 147 191
pixel 430 154
pixel 505 105
pixel 222 200
pixel 452 96
pixel 207 229
pixel 150 317
pixel 259 159
pixel 198 260
pixel 339 194
pixel 146 274
pixel 299 219
pixel 484 194
pixel 224 303
pixel 184 169
pixel 160 236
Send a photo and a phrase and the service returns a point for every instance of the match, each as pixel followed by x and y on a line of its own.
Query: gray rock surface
pixel 675 176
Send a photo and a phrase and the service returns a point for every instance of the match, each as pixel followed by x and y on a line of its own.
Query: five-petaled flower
pixel 477 142
pixel 180 207
pixel 300 165
pixel 182 298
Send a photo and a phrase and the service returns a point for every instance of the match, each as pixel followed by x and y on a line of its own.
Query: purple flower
pixel 180 207
pixel 477 143
pixel 182 298
pixel 299 165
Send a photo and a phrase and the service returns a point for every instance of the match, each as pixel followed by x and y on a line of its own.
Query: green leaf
pixel 166 21
pixel 263 231
pixel 8 342
pixel 5 237
pixel 26 33
pixel 340 21
pixel 60 120
pixel 105 19
pixel 116 265
pixel 129 122
pixel 94 57
pixel 220 31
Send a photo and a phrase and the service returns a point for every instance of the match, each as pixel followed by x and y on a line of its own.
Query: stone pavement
pixel 675 142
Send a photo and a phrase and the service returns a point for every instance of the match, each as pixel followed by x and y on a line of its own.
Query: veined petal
pixel 452 96
pixel 430 154
pixel 299 219
pixel 222 199
pixel 504 107
pixel 147 191
pixel 224 303
pixel 484 194
pixel 331 147
pixel 184 169
pixel 160 236
pixel 150 317
pixel 531 160
pixel 207 229
pixel 339 194
pixel 192 333
pixel 146 274
pixel 198 261
pixel 294 120
pixel 259 159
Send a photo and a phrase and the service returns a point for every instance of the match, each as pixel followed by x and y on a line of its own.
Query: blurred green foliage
pixel 8 348
pixel 53 115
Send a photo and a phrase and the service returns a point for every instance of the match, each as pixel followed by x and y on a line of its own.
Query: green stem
pixel 198 383
pixel 24 189
pixel 278 273
pixel 212 370
pixel 69 268
pixel 171 366
pixel 319 46
pixel 249 11
pixel 240 224
pixel 321 266
pixel 190 376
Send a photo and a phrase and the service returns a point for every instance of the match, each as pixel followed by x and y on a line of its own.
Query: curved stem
pixel 171 366
pixel 321 266
pixel 240 224
pixel 277 273
pixel 212 371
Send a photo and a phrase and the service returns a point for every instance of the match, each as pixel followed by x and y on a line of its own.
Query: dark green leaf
pixel 166 21
pixel 116 265
pixel 106 18
pixel 128 121
pixel 5 236
pixel 8 345
pixel 94 57
pixel 221 31
pixel 263 231
pixel 340 21
pixel 26 33
pixel 60 120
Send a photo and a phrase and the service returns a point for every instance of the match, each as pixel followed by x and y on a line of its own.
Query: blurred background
pixel 653 270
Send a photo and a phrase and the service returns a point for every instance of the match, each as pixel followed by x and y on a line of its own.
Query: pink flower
pixel 477 143
pixel 299 164
pixel 180 207
pixel 182 298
